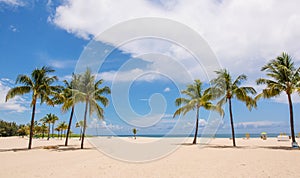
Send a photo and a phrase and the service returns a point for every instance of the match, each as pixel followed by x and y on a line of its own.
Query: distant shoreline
pixel 239 135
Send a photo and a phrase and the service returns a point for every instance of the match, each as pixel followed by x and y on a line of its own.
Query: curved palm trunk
pixel 49 131
pixel 197 123
pixel 291 118
pixel 69 127
pixel 231 122
pixel 84 123
pixel 31 126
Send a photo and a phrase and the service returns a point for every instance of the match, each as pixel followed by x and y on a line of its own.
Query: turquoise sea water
pixel 254 135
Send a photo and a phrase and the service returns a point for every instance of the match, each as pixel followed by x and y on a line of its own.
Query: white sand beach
pixel 252 158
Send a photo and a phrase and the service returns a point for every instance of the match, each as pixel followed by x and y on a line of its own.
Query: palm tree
pixel 54 118
pixel 62 128
pixel 44 129
pixel 47 120
pixel 227 89
pixel 134 131
pixel 58 130
pixel 282 77
pixel 40 85
pixel 23 130
pixel 196 98
pixel 67 100
pixel 36 129
pixel 89 93
pixel 80 125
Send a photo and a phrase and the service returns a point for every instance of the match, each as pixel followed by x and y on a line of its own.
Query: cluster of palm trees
pixel 83 88
pixel 49 119
pixel 282 75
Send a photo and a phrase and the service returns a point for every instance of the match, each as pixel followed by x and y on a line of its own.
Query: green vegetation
pixel 8 129
pixel 134 131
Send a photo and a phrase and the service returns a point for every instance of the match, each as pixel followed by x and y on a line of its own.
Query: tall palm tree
pixel 47 120
pixel 196 98
pixel 89 92
pixel 40 84
pixel 282 77
pixel 67 100
pixel 227 89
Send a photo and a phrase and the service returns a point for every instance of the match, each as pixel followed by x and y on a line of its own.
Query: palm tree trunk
pixel 84 123
pixel 31 126
pixel 231 122
pixel 49 131
pixel 197 123
pixel 69 127
pixel 291 118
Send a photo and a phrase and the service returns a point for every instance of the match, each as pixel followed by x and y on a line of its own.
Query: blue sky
pixel 56 33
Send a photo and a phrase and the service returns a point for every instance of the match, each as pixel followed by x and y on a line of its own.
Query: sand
pixel 252 158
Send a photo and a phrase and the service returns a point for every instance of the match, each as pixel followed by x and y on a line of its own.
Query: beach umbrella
pixel 263 133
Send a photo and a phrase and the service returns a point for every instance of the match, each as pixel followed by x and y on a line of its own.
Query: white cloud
pixel 16 104
pixel 13 2
pixel 167 89
pixel 13 28
pixel 282 98
pixel 257 124
pixel 242 33
pixel 61 64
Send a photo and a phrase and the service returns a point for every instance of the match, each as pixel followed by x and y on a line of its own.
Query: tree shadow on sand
pixel 58 148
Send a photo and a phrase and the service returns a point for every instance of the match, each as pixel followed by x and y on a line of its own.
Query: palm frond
pixel 21 90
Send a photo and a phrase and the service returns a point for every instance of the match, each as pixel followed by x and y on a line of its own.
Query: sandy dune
pixel 252 158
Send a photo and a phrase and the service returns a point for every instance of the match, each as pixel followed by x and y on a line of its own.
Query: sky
pixel 147 74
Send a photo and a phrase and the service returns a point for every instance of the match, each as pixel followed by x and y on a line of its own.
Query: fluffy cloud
pixel 16 104
pixel 242 33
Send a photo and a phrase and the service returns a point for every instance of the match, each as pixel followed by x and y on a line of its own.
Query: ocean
pixel 238 135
